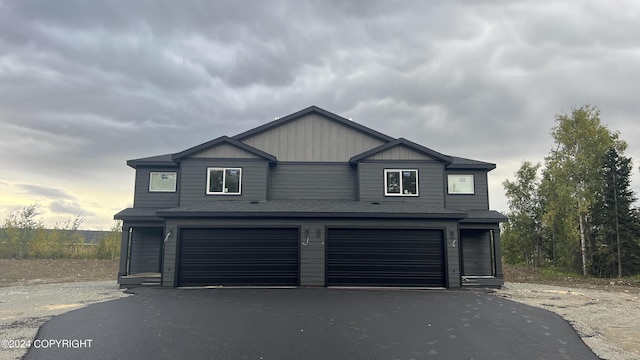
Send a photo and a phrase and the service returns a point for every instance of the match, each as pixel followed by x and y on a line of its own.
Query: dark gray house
pixel 311 199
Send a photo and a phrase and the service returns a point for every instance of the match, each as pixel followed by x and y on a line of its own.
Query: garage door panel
pixel 385 257
pixel 246 256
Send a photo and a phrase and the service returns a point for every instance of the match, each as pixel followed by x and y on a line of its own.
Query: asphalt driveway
pixel 308 324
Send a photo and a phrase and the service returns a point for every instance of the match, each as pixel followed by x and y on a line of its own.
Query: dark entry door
pixel 385 257
pixel 238 256
pixel 146 250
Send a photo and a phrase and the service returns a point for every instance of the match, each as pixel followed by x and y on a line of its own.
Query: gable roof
pixel 402 142
pixel 223 140
pixel 310 110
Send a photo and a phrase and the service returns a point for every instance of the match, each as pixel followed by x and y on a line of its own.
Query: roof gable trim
pixel 224 140
pixel 307 111
pixel 401 142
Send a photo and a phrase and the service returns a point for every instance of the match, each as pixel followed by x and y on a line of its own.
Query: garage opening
pixel 385 257
pixel 238 257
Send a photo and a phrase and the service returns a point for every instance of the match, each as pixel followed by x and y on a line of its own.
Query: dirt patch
pixel 46 271
pixel 24 308
pixel 604 312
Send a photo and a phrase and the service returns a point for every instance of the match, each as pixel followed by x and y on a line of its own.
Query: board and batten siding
pixel 477 201
pixel 335 181
pixel 225 151
pixel 430 182
pixel 313 138
pixel 193 189
pixel 143 198
pixel 312 250
pixel 401 152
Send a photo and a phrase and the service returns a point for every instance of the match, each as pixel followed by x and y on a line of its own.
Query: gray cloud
pixel 84 86
pixel 60 207
pixel 43 191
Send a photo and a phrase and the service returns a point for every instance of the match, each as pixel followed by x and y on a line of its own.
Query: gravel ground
pixel 607 321
pixel 24 308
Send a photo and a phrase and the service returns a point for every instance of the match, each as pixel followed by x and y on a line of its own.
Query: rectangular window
pixel 400 182
pixel 162 181
pixel 460 184
pixel 224 181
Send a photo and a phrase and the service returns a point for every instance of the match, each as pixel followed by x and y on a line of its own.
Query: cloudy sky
pixel 87 85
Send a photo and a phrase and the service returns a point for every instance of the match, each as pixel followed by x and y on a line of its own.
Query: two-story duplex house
pixel 311 199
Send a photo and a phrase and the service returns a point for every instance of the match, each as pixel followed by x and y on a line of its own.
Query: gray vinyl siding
pixel 430 182
pixel 146 199
pixel 476 252
pixel 146 245
pixel 225 151
pixel 478 201
pixel 312 255
pixel 312 181
pixel 400 152
pixel 313 138
pixel 193 189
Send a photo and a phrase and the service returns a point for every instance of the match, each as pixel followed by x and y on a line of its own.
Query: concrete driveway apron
pixel 308 323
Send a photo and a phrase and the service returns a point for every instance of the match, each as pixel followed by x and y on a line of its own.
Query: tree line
pixel 576 209
pixel 23 235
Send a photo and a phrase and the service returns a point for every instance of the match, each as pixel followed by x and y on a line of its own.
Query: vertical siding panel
pixel 333 142
pixel 308 139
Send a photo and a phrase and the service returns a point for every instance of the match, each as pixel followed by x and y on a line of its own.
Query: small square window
pixel 162 181
pixel 224 181
pixel 401 182
pixel 460 184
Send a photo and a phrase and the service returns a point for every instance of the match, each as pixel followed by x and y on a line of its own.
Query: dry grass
pixel 13 272
pixel 552 276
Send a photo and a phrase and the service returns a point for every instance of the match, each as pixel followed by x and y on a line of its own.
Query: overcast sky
pixel 87 85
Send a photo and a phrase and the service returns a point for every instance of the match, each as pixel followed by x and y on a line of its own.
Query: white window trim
pixel 224 180
pixel 400 194
pixel 473 182
pixel 174 173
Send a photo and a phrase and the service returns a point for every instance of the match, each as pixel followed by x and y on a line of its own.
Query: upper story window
pixel 460 184
pixel 400 182
pixel 162 181
pixel 224 181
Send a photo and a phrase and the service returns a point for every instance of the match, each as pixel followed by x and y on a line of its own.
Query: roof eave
pixel 309 110
pixel 135 163
pixel 281 214
pixel 486 166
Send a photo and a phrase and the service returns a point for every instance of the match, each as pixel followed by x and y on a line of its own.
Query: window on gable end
pixel 224 181
pixel 400 182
